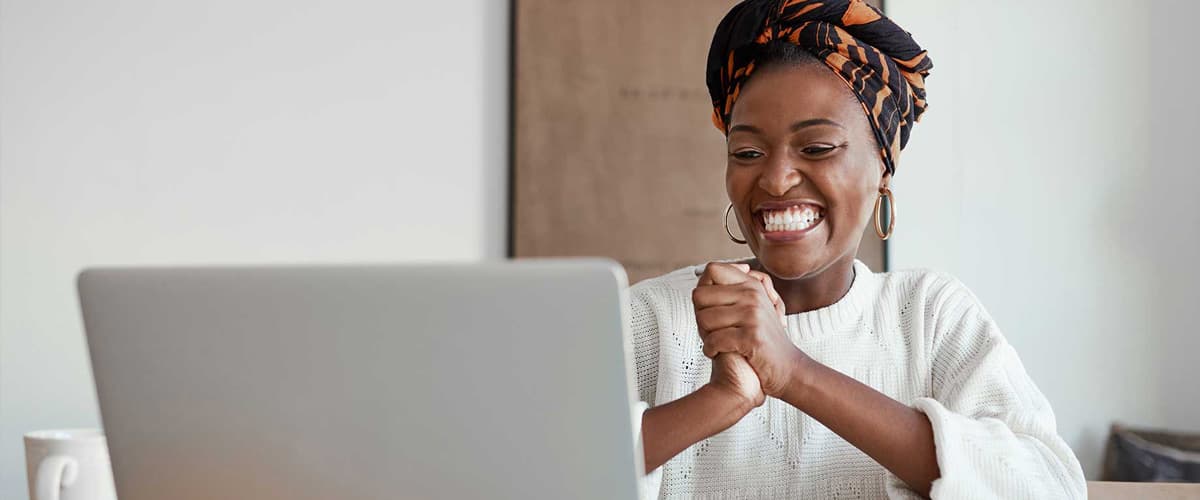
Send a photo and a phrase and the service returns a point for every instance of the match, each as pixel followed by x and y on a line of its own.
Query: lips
pixel 785 204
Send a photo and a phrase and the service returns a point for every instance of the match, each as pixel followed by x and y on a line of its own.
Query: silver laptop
pixel 500 380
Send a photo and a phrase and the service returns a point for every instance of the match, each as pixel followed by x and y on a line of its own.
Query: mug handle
pixel 54 473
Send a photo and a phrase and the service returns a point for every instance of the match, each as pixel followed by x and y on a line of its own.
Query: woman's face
pixel 803 169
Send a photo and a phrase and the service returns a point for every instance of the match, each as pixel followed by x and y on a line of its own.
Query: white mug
pixel 68 464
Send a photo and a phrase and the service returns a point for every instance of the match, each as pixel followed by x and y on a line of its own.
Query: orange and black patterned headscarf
pixel 877 59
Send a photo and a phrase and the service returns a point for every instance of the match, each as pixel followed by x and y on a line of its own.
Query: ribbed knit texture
pixel 919 337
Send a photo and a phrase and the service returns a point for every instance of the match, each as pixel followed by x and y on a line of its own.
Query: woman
pixel 800 373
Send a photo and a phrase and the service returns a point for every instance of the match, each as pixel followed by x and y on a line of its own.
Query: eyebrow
pixel 741 127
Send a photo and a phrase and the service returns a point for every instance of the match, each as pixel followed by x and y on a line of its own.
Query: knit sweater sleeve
pixel 994 431
pixel 644 327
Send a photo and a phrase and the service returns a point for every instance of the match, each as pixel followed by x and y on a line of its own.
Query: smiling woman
pixel 801 373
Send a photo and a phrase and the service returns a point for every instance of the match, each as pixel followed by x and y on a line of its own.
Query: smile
pixel 789 223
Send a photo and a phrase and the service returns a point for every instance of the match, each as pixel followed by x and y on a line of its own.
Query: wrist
pixel 727 401
pixel 802 380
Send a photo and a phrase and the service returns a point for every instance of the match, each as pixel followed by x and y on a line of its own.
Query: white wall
pixel 148 132
pixel 1172 205
pixel 1035 179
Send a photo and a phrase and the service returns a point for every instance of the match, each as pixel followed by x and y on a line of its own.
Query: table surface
pixel 1099 490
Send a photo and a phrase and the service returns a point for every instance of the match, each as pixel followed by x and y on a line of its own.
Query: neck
pixel 821 289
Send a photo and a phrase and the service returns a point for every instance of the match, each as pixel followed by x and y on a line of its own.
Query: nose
pixel 780 176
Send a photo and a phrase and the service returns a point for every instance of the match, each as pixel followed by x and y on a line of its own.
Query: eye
pixel 818 149
pixel 746 154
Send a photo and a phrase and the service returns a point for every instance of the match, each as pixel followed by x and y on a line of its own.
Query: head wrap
pixel 877 59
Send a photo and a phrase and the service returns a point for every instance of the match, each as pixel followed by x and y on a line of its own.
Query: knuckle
pixel 713 341
pixel 748 310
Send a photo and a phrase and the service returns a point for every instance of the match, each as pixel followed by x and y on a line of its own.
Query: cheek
pixel 851 190
pixel 739 181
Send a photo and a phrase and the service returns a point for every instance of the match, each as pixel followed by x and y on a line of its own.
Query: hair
pixel 780 53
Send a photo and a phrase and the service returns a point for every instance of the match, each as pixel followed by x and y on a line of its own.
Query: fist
pixel 739 312
pixel 733 374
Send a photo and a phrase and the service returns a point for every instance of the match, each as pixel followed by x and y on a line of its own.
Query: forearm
pixel 671 428
pixel 898 437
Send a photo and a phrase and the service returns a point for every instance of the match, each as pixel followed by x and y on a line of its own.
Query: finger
pixel 723 273
pixel 730 340
pixel 727 295
pixel 773 294
pixel 765 279
pixel 716 318
pixel 725 269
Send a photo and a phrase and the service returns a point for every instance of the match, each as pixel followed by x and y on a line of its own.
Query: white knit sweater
pixel 919 337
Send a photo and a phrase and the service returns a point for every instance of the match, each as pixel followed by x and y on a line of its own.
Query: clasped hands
pixel 742 323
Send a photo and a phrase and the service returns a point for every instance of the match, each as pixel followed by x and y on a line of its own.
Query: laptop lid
pixel 496 380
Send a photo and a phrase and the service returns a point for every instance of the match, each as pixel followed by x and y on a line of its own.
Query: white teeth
pixel 791 219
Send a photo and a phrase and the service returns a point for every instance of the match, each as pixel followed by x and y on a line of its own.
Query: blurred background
pixel 1053 174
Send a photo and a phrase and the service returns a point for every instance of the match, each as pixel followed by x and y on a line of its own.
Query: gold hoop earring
pixel 727 231
pixel 884 191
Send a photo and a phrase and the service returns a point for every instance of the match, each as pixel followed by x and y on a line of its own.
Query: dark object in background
pixel 1152 456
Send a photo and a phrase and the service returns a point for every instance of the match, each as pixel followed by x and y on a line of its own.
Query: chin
pixel 791 265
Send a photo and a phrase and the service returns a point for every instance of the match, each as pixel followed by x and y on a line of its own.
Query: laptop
pixel 456 381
